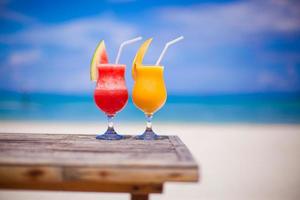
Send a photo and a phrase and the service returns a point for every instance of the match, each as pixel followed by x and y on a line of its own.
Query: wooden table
pixel 72 162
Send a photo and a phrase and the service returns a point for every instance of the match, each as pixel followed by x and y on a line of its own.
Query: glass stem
pixel 149 121
pixel 110 122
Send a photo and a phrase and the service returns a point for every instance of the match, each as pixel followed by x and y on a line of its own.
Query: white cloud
pixel 78 34
pixel 21 58
pixel 276 81
pixel 212 30
pixel 16 17
pixel 65 47
pixel 232 22
pixel 203 25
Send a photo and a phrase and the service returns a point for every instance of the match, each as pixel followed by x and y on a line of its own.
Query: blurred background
pixel 233 84
pixel 239 62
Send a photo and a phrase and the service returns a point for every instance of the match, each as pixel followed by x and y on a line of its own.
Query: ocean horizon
pixel 283 108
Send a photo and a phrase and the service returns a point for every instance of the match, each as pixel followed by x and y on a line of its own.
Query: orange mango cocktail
pixel 149 91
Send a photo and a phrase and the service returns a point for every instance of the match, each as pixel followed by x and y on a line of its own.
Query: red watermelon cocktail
pixel 110 94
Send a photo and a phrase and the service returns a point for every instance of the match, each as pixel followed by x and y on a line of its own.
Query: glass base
pixel 149 135
pixel 110 134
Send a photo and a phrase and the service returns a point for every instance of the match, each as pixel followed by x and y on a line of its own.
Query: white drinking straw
pixel 166 47
pixel 125 43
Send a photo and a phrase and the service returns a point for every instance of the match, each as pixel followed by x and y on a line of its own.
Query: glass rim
pixel 111 64
pixel 149 65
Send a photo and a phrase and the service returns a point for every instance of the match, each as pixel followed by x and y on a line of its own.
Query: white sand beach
pixel 238 161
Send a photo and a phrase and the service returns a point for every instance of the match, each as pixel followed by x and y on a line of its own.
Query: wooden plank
pixel 73 158
pixel 84 187
pixel 31 174
pixel 95 174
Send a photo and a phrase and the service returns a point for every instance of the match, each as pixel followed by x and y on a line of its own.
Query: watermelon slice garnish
pixel 99 57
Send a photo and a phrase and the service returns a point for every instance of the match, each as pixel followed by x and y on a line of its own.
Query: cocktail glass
pixel 110 95
pixel 149 95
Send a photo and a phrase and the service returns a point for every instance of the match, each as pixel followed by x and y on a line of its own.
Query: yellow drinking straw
pixel 166 47
pixel 125 43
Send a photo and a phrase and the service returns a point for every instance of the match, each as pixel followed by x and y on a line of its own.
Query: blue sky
pixel 229 46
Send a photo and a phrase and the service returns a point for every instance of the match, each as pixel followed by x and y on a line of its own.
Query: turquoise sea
pixel 230 108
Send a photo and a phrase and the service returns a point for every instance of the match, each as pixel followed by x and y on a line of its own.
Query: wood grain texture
pixel 85 187
pixel 64 159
